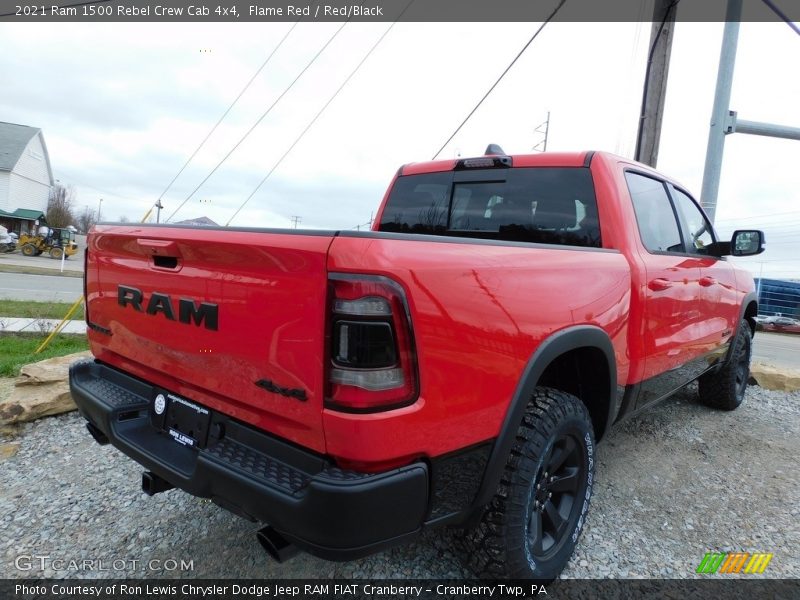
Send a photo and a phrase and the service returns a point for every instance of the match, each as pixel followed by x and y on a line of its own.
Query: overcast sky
pixel 122 106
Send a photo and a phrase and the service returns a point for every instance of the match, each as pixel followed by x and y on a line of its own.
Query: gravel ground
pixel 672 484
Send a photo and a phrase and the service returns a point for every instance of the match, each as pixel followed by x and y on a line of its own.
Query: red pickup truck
pixel 453 366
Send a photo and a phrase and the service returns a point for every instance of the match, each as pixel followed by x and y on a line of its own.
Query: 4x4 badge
pixel 288 392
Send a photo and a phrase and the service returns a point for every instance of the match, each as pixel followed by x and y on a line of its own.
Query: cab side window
pixel 697 231
pixel 655 216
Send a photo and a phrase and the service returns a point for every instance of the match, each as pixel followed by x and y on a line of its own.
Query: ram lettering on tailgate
pixel 189 311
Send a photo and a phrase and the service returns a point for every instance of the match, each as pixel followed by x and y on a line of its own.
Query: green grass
pixel 38 310
pixel 17 349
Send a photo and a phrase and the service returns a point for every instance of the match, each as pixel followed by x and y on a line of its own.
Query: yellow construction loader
pixel 56 242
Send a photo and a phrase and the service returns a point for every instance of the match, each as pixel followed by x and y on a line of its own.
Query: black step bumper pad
pixel 327 511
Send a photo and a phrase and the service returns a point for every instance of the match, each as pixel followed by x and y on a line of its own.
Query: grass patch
pixel 38 310
pixel 17 349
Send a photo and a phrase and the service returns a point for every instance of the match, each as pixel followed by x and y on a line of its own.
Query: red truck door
pixel 672 334
pixel 719 304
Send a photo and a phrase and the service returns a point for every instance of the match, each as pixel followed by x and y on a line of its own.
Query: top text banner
pixel 380 10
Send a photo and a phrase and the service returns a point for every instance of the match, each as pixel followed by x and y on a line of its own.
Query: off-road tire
pixel 725 388
pixel 56 253
pixel 28 250
pixel 504 544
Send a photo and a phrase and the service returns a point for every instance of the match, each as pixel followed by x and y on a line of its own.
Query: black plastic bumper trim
pixel 334 514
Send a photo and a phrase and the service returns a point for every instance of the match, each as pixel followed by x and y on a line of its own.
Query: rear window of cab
pixel 550 205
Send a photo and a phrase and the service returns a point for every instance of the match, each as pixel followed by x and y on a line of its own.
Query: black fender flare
pixel 560 342
pixel 750 297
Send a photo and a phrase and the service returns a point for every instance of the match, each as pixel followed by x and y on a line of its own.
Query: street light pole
pixel 99 207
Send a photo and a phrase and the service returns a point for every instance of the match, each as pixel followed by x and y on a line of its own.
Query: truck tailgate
pixel 232 319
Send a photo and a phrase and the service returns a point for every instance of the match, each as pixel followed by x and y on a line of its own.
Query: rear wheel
pixel 725 388
pixel 531 526
pixel 56 253
pixel 28 250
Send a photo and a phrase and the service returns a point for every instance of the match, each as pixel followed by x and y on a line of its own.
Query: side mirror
pixel 744 242
pixel 747 242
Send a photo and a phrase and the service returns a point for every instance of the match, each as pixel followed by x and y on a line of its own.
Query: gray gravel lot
pixel 672 484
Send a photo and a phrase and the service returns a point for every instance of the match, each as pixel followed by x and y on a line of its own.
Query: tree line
pixel 62 212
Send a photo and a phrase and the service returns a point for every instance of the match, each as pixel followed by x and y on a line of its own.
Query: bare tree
pixel 59 206
pixel 86 219
pixel 124 219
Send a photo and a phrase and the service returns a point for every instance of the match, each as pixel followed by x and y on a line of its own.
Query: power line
pixel 360 225
pixel 319 114
pixel 775 260
pixel 782 15
pixel 790 212
pixel 227 110
pixel 261 118
pixel 503 74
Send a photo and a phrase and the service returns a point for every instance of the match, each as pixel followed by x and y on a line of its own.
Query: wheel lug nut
pixel 538 486
pixel 550 495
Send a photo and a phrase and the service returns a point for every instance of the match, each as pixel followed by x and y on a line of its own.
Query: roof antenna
pixel 493 149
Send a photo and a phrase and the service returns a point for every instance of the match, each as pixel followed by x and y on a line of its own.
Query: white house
pixel 25 175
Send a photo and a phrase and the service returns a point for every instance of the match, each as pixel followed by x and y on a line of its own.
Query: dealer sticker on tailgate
pixel 186 422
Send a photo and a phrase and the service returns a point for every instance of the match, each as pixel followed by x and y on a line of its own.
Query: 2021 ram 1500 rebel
pixel 453 366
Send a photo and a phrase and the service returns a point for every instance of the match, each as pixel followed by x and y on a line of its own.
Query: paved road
pixel 44 288
pixel 74 263
pixel 778 349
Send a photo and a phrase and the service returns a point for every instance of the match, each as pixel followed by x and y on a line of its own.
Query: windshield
pixel 545 205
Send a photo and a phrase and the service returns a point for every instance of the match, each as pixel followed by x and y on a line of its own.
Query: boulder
pixel 51 370
pixel 41 390
pixel 773 378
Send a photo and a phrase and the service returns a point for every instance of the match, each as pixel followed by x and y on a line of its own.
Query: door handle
pixel 659 284
pixel 707 281
pixel 158 247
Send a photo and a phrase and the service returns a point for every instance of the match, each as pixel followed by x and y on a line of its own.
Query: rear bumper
pixel 324 510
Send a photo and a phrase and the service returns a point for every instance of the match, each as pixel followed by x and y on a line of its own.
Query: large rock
pixel 773 378
pixel 41 390
pixel 52 370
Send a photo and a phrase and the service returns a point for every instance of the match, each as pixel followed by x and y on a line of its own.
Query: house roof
pixel 26 213
pixel 201 221
pixel 13 141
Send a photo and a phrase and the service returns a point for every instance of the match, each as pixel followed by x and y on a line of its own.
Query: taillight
pixel 372 365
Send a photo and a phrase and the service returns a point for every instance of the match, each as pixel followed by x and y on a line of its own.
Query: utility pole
pixel 99 207
pixel 720 116
pixel 296 220
pixel 546 131
pixel 158 210
pixel 655 84
pixel 724 120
